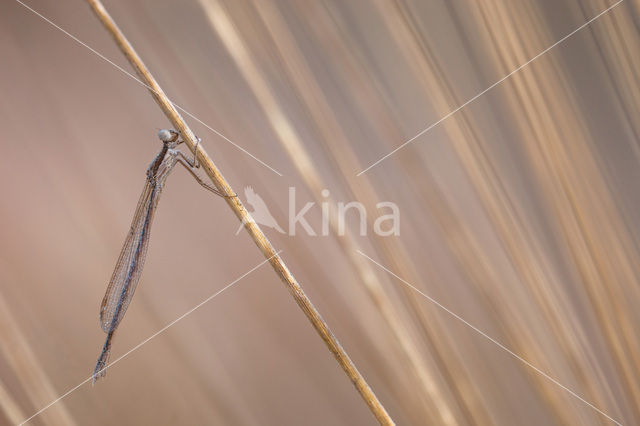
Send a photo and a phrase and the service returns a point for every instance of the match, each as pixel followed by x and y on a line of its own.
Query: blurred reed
pixel 616 44
pixel 589 227
pixel 540 283
pixel 10 407
pixel 303 81
pixel 34 380
pixel 460 240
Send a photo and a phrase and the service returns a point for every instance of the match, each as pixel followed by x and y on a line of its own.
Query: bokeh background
pixel 519 213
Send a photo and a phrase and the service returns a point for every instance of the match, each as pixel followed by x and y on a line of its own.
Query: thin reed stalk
pixel 243 215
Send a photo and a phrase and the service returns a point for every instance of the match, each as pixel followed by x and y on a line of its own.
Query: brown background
pixel 519 213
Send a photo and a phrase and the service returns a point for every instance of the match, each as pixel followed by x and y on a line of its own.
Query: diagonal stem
pixel 250 225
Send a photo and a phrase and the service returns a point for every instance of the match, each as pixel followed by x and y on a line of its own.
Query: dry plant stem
pixel 256 234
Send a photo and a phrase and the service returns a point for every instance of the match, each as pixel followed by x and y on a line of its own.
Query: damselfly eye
pixel 167 135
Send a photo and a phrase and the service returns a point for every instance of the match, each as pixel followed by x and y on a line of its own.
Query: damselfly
pixel 129 266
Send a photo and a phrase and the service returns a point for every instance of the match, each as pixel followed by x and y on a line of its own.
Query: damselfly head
pixel 167 135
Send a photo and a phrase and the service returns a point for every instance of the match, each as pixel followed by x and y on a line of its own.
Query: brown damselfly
pixel 131 260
